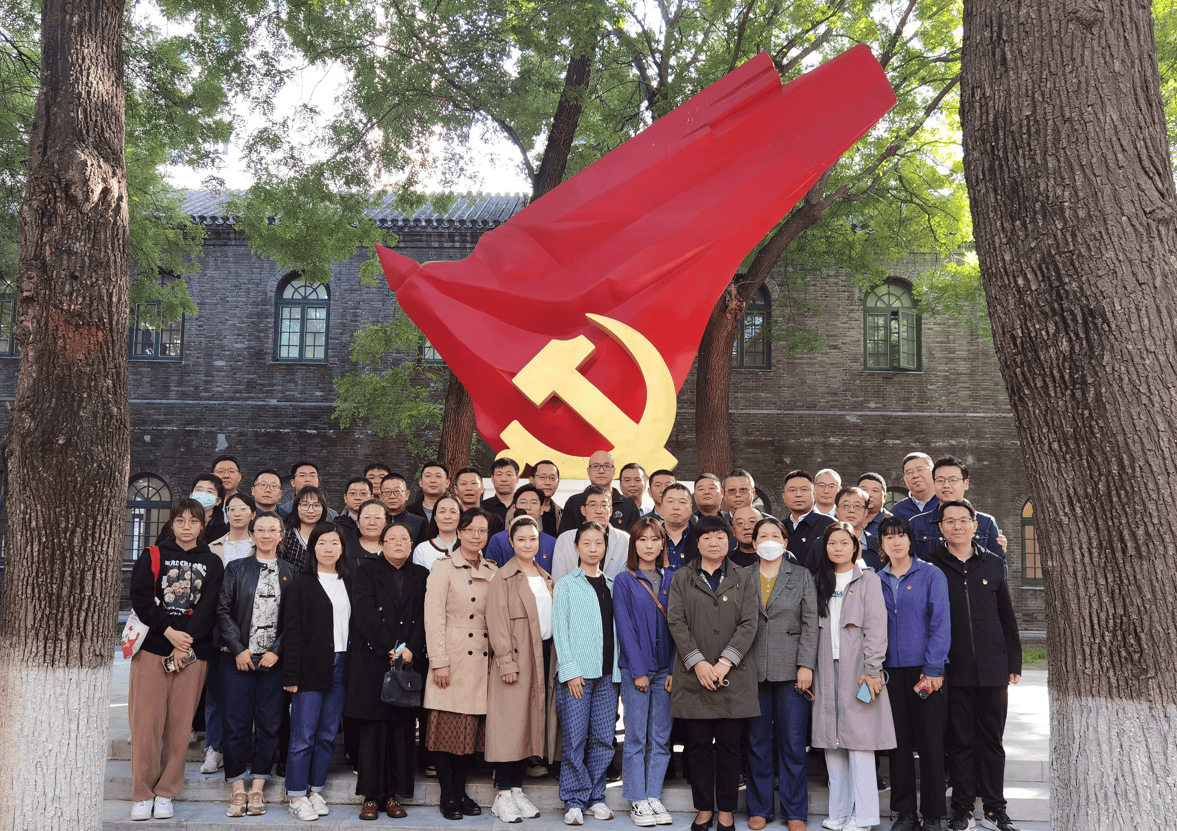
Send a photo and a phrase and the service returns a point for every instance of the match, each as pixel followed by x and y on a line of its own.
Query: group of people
pixel 843 627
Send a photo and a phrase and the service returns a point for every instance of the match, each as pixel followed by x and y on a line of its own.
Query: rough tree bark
pixel 1075 216
pixel 68 441
pixel 457 420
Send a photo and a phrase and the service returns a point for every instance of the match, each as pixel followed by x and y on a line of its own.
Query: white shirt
pixel 237 550
pixel 841 581
pixel 429 552
pixel 340 607
pixel 543 603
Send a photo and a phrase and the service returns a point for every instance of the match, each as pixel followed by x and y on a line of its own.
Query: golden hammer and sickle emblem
pixel 553 372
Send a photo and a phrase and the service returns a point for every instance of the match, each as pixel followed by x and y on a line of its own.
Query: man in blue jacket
pixel 984 659
pixel 951 478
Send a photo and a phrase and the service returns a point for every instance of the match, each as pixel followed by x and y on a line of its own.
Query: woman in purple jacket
pixel 640 597
pixel 919 632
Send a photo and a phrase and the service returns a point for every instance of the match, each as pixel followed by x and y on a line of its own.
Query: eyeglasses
pixel 957 523
pixel 545 477
pixel 804 489
pixel 949 480
pixel 599 468
pixel 262 486
pixel 475 532
pixel 852 506
pixel 223 471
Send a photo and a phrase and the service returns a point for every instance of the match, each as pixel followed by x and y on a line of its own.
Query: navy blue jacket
pixel 986 648
pixel 908 509
pixel 805 539
pixel 642 630
pixel 919 624
pixel 927 533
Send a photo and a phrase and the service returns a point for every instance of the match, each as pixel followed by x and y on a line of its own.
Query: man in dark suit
pixel 394 493
pixel 805 524
pixel 600 472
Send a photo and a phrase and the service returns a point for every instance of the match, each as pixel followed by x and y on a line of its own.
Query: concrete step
pixel 1027 800
pixel 210 817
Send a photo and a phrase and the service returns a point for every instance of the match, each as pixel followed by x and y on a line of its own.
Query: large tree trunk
pixel 713 373
pixel 457 427
pixel 1075 215
pixel 68 442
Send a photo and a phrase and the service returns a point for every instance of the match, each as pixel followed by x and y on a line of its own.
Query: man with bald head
pixel 600 472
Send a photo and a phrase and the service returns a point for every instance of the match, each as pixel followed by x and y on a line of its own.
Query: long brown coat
pixel 708 624
pixel 455 634
pixel 516 713
pixel 862 647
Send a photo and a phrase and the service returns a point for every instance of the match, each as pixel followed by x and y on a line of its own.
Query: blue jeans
pixel 784 715
pixel 314 723
pixel 257 699
pixel 588 725
pixel 214 709
pixel 647 736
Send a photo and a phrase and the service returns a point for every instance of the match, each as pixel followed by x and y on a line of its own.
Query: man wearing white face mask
pixel 785 649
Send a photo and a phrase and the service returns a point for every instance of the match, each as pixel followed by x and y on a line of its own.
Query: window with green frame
pixel 895 494
pixel 153 339
pixel 751 347
pixel 7 319
pixel 302 311
pixel 1031 559
pixel 891 330
pixel 427 354
pixel 149 501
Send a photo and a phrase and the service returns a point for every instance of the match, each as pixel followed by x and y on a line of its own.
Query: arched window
pixel 301 320
pixel 1031 560
pixel 7 318
pixel 750 349
pixel 149 501
pixel 891 329
pixel 895 494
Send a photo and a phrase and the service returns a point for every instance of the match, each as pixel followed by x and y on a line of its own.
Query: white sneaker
pixel 642 814
pixel 163 808
pixel 505 809
pixel 141 810
pixel 318 803
pixel 600 811
pixel 661 815
pixel 833 824
pixel 574 817
pixel 213 761
pixel 303 810
pixel 526 807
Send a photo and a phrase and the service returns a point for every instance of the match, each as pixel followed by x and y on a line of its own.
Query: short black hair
pixel 398 524
pixel 710 476
pixel 739 473
pixel 797 474
pixel 312 563
pixel 527 489
pixel 210 477
pixel 951 461
pixel 244 497
pixel 377 466
pixel 396 477
pixel 597 490
pixel 435 463
pixel 468 469
pixel 220 459
pixel 676 486
pixel 874 477
pixel 892 525
pixel 770 520
pixel 711 525
pixel 547 462
pixel 294 468
pixel 505 461
pixel 270 471
pixel 661 472
pixel 956 503
pixel 357 480
pixel 631 466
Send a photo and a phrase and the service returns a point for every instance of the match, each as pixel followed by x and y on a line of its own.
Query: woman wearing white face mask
pixel 785 649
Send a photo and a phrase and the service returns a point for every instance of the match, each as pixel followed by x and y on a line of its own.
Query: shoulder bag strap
pixel 650 592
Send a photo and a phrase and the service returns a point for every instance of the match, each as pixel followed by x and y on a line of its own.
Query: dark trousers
pixel 256 697
pixel 451 775
pixel 713 749
pixel 776 740
pixel 976 757
pixel 509 774
pixel 384 758
pixel 284 729
pixel 919 726
pixel 351 739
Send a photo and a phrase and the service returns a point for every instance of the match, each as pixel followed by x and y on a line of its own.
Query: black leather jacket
pixel 235 607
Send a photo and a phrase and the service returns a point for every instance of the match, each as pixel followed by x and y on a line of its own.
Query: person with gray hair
pixel 826 485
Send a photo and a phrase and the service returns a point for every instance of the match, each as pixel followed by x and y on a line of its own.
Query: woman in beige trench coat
pixel 459 661
pixel 519 620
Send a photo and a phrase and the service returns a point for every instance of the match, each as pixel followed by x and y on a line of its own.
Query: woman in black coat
pixel 388 614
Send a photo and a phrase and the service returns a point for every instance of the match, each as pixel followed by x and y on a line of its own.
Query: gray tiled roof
pixel 476 210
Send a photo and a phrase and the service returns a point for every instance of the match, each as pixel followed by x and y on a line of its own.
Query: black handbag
pixel 402 687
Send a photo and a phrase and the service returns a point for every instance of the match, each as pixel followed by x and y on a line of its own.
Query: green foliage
pixel 1165 30
pixel 390 392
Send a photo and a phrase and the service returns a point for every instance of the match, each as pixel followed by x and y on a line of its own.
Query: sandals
pixel 237 805
pixel 257 804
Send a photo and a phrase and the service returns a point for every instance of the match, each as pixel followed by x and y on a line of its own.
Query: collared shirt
pixel 715 578
pixel 654 513
pixel 676 552
pixel 795 522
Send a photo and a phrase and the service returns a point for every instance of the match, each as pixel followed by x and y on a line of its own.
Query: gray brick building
pixel 252 375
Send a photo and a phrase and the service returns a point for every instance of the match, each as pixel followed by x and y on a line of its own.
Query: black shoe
pixel 280 770
pixel 936 824
pixel 961 821
pixel 882 783
pixel 469 807
pixel 998 821
pixel 451 809
pixel 906 821
pixel 722 827
pixel 705 826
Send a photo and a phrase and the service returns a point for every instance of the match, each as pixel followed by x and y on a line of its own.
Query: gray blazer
pixel 787 635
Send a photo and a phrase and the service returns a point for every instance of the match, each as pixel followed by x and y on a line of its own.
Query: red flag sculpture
pixel 573 322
